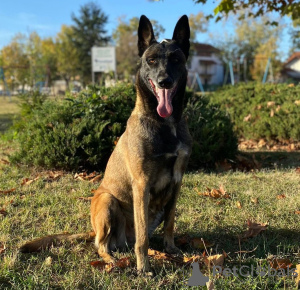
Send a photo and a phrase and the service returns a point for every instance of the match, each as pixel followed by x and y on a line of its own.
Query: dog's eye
pixel 174 59
pixel 151 61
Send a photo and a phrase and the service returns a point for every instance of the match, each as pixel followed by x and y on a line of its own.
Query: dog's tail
pixel 46 242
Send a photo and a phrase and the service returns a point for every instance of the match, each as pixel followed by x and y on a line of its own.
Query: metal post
pixel 266 71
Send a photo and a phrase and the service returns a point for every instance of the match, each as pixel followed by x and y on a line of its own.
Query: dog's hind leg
pixel 109 225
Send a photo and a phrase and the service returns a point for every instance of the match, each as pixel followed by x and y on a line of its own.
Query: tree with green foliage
pixel 88 31
pixel 255 8
pixel 295 35
pixel 251 45
pixel 15 62
pixel 67 54
pixel 125 37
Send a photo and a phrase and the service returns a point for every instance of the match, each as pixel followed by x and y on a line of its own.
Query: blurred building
pixel 205 60
pixel 291 69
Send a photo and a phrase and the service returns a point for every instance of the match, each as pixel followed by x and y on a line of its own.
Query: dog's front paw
pixel 172 250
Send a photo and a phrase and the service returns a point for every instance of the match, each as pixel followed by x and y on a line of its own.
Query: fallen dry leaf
pixel 108 267
pixel 270 104
pixel 27 181
pixel 238 204
pixel 253 229
pixel 279 263
pixel 5 161
pixel 297 211
pixel 200 244
pixel 254 200
pixel 55 175
pixel 281 196
pixel 157 254
pixel 3 212
pixel 247 118
pixel 87 177
pixel 7 191
pixel 214 193
pixel 215 260
pixel 189 260
pixel 2 248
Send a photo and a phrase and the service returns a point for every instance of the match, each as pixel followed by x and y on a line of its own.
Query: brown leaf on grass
pixel 281 196
pixel 3 211
pixel 253 229
pixel 189 260
pixel 27 181
pixel 214 193
pixel 7 191
pixel 238 204
pixel 55 175
pixel 200 244
pixel 254 200
pixel 297 211
pixel 108 267
pixel 215 260
pixel 98 264
pixel 279 263
pixel 247 118
pixel 157 255
pixel 270 104
pixel 87 177
pixel 2 248
pixel 5 161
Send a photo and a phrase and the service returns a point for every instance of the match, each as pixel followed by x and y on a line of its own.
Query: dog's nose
pixel 165 82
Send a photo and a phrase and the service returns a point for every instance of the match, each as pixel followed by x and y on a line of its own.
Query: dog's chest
pixel 171 167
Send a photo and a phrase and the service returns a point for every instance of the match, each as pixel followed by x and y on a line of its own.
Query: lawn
pixel 49 206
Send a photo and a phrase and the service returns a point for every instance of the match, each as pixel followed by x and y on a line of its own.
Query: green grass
pixel 53 207
pixel 45 207
pixel 8 111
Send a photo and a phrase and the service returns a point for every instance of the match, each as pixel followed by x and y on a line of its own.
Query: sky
pixel 46 17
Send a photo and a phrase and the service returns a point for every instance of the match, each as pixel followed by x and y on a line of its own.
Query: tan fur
pixel 46 242
pixel 123 209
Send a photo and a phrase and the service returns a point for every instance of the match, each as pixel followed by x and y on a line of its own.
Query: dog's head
pixel 163 65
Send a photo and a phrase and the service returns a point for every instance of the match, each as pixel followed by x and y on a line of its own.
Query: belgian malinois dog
pixel 143 176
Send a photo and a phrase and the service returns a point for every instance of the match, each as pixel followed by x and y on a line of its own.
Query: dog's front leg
pixel 169 220
pixel 141 196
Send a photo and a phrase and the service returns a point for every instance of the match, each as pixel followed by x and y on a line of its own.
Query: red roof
pixel 203 47
pixel 295 55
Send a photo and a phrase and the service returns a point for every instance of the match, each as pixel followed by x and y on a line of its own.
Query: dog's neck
pixel 146 102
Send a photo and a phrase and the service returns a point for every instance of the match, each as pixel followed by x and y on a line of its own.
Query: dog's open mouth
pixel 164 98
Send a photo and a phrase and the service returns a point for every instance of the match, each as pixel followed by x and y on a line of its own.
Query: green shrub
pixel 82 131
pixel 269 111
pixel 78 131
pixel 212 131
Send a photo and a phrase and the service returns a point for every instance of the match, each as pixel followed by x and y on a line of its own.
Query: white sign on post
pixel 103 59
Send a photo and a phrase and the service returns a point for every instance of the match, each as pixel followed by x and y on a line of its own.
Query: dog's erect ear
pixel 182 35
pixel 145 34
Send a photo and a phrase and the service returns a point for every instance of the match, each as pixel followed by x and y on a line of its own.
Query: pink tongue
pixel 164 108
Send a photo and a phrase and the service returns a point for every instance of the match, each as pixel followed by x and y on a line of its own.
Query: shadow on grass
pixel 6 120
pixel 276 159
pixel 271 242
